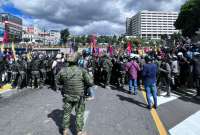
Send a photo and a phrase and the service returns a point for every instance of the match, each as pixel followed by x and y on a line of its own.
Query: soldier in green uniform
pixel 22 67
pixel 14 73
pixel 35 72
pixel 107 68
pixel 74 81
pixel 42 67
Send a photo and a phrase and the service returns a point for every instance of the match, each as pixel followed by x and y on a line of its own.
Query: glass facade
pixel 2 29
pixel 13 26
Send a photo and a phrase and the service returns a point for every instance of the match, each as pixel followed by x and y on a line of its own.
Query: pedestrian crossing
pixel 188 126
pixel 162 99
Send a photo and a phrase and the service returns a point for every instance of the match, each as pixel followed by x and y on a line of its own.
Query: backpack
pixel 58 67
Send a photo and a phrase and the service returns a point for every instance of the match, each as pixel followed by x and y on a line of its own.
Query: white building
pixel 32 34
pixel 152 24
pixel 54 37
pixel 128 26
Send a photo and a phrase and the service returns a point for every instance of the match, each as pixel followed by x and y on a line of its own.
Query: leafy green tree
pixel 189 18
pixel 114 39
pixel 64 35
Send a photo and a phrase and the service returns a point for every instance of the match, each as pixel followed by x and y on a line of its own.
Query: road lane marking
pixel 189 126
pixel 161 129
pixel 162 99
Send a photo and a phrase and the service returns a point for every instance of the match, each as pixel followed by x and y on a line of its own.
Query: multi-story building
pixel 13 26
pixel 153 24
pixel 32 34
pixel 128 26
pixel 55 37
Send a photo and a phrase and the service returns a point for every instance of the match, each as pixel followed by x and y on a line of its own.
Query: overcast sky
pixel 84 16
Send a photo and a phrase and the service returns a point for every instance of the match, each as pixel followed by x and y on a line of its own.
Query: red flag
pixel 93 44
pixel 5 37
pixel 129 48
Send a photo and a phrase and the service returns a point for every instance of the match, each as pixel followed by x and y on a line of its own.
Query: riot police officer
pixel 35 73
pixel 22 67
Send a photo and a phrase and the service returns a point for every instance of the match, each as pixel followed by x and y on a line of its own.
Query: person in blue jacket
pixel 149 74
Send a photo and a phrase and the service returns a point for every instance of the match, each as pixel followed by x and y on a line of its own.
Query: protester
pixel 149 74
pixel 132 68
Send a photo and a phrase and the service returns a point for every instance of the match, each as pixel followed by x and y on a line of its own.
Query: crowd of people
pixel 177 68
pixel 164 69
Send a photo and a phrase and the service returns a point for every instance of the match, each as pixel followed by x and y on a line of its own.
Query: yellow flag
pixel 13 50
pixel 2 47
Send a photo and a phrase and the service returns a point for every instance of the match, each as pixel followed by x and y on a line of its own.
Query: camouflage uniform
pixel 35 72
pixel 22 67
pixel 107 68
pixel 14 74
pixel 43 72
pixel 120 73
pixel 73 80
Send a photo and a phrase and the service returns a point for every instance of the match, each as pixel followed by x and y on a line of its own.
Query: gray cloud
pixel 68 12
pixel 163 5
pixel 90 16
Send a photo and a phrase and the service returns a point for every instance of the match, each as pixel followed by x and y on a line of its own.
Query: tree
pixel 114 39
pixel 189 18
pixel 64 35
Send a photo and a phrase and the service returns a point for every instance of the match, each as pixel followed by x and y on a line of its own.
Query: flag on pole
pixel 129 48
pixel 13 50
pixel 2 47
pixel 110 50
pixel 5 40
pixel 93 42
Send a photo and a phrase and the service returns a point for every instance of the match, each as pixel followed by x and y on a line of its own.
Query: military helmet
pixel 73 57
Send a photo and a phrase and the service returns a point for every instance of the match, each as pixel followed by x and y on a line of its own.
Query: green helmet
pixel 73 57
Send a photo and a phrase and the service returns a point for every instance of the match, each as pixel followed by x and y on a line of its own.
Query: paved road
pixel 113 112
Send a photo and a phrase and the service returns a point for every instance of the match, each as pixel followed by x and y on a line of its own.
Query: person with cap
pixel 132 69
pixel 175 71
pixel 73 80
pixel 149 74
pixel 56 67
pixel 57 64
